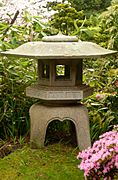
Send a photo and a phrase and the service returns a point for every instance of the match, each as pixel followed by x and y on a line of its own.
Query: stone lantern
pixel 59 85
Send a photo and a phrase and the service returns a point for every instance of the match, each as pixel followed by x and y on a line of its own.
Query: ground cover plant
pixel 54 162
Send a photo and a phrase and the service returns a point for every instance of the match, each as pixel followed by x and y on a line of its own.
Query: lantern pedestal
pixel 42 114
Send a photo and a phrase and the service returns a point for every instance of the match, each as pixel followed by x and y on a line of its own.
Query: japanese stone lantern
pixel 59 85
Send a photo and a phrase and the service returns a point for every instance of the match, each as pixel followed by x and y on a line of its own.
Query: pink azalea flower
pixel 102 159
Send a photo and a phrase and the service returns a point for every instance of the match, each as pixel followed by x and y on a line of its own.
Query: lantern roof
pixel 59 47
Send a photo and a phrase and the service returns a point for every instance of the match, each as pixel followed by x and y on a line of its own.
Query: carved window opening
pixel 62 71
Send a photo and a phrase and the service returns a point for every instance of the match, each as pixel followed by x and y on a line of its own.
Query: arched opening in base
pixel 61 131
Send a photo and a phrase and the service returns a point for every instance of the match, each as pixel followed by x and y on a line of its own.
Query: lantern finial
pixel 60 38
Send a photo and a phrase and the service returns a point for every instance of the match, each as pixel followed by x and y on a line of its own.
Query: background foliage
pixel 101 74
pixel 65 17
pixel 103 113
pixel 89 5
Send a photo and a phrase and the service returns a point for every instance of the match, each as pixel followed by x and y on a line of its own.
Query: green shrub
pixel 65 18
pixel 15 76
pixel 103 113
pixel 101 73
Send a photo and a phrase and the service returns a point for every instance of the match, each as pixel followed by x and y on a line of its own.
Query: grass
pixel 52 162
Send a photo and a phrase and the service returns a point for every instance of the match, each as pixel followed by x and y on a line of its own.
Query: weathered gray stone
pixel 60 38
pixel 58 93
pixel 41 115
pixel 59 47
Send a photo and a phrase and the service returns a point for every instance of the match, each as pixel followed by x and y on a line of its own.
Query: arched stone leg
pixel 38 126
pixel 82 128
pixel 42 115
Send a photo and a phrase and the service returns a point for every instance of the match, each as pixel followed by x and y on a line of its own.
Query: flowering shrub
pixel 101 161
pixel 34 7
